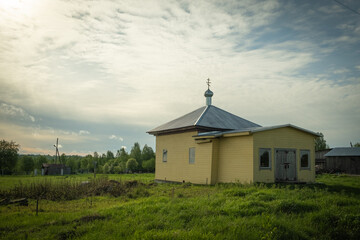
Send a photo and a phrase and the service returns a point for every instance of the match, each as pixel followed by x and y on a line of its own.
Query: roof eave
pixel 183 129
pixel 283 126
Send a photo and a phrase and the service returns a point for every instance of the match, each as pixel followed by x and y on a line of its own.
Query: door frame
pixel 276 162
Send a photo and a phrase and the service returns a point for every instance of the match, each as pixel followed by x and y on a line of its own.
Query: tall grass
pixel 185 211
pixel 70 189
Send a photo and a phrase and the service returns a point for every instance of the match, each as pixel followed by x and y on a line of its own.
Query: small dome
pixel 208 93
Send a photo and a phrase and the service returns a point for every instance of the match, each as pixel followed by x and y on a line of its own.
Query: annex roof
pixel 344 152
pixel 253 130
pixel 207 117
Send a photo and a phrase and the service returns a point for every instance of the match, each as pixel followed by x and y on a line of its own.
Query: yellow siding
pixel 177 167
pixel 235 161
pixel 215 161
pixel 284 138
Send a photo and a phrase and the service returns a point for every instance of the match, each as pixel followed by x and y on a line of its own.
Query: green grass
pixel 328 210
pixel 8 182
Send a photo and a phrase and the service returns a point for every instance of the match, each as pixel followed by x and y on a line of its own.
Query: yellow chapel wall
pixel 235 159
pixel 286 137
pixel 177 168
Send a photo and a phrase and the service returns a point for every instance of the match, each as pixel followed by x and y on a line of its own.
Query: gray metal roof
pixel 207 117
pixel 253 130
pixel 344 152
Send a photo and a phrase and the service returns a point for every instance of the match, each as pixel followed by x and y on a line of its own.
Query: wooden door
pixel 285 165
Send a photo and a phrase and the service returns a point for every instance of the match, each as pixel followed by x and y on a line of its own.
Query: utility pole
pixel 95 169
pixel 57 150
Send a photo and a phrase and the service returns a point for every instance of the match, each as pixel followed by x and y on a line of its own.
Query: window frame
pixel 190 155
pixel 165 155
pixel 303 152
pixel 261 152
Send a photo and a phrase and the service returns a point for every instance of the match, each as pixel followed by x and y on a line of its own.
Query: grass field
pixel 142 209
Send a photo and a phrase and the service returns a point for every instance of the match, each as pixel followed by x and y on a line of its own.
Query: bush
pixel 149 165
pixel 132 164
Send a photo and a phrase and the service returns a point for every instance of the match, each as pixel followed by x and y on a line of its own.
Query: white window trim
pixel 270 160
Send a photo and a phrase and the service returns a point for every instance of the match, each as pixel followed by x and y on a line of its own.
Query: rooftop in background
pixel 344 152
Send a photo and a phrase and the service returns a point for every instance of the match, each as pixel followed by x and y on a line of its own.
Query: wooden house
pixel 320 160
pixel 210 145
pixel 343 159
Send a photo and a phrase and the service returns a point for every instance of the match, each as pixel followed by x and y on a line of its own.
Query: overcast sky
pixel 99 74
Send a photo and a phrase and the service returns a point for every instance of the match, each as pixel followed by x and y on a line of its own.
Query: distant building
pixel 343 159
pixel 55 169
pixel 320 160
pixel 210 145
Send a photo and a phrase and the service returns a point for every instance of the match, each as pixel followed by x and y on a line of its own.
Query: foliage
pixel 132 164
pixel 69 190
pixel 357 145
pixel 147 153
pixel 136 154
pixel 149 165
pixel 105 163
pixel 320 143
pixel 8 155
pixel 27 163
pixel 39 161
pixel 109 155
pixel 63 158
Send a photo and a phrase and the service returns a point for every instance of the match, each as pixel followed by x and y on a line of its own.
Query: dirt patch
pixel 132 183
pixel 67 235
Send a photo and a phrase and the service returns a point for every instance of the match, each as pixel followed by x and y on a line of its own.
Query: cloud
pixel 7 110
pixel 139 65
pixel 114 137
pixel 341 71
pixel 84 132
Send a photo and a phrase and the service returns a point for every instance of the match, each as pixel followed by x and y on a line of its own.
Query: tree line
pixel 137 160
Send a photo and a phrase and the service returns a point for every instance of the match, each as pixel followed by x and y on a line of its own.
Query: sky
pixel 99 74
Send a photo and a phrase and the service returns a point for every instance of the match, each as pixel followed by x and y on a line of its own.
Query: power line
pixel 347 7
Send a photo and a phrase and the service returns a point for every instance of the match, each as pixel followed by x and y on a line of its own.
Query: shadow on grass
pixel 333 188
pixel 344 189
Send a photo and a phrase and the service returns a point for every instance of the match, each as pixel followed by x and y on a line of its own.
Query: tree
pixel 122 155
pixel 63 158
pixel 136 153
pixel 132 164
pixel 27 163
pixel 147 153
pixel 320 143
pixel 109 155
pixel 39 161
pixel 149 165
pixel 8 155
pixel 70 162
pixel 357 145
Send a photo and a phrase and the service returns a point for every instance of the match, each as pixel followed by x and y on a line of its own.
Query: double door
pixel 285 165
